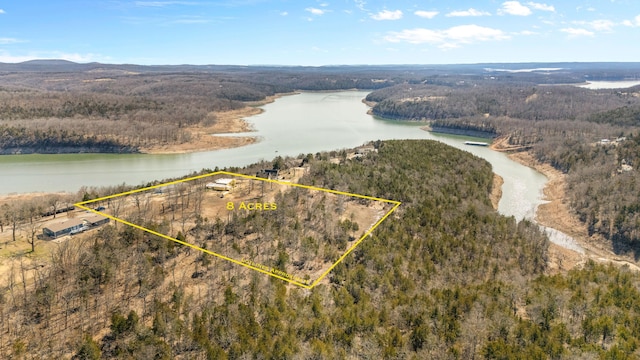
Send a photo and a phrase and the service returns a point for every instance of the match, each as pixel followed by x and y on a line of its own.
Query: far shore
pixel 227 122
pixel 203 137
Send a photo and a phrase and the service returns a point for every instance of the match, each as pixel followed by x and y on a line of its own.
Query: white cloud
pixel 527 33
pixel 542 7
pixel 514 8
pixel 449 46
pixel 387 15
pixel 577 32
pixel 470 12
pixel 465 33
pixel 447 38
pixel 426 14
pixel 602 25
pixel 597 25
pixel 284 13
pixel 7 41
pixel 315 11
pixel 416 36
pixel 634 22
pixel 2 11
pixel 360 4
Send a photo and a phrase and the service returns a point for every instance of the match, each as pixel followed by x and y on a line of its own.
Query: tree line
pixel 515 100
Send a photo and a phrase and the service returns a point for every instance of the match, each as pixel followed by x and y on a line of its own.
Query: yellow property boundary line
pixel 273 272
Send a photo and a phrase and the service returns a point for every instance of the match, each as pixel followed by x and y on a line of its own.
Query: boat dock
pixel 476 143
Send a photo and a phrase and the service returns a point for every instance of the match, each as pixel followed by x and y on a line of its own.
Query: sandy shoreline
pixel 30 195
pixel 496 191
pixel 227 122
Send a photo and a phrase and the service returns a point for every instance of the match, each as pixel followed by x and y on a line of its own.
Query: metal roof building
pixel 63 228
pixel 73 226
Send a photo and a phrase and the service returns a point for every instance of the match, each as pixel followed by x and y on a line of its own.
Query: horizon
pixel 320 33
pixel 43 60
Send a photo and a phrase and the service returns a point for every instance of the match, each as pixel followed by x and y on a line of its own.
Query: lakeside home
pixel 68 227
pixel 74 226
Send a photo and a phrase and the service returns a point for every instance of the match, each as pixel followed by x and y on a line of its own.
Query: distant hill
pixel 48 62
pixel 592 70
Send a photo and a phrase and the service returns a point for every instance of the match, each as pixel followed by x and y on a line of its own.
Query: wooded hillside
pixel 562 126
pixel 445 277
pixel 115 110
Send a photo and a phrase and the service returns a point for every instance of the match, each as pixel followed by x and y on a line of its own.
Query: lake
pixel 304 123
pixel 297 124
pixel 623 84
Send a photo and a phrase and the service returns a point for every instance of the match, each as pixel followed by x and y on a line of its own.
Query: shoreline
pixel 227 122
pixel 203 137
pixel 500 143
pixel 496 191
pixel 556 214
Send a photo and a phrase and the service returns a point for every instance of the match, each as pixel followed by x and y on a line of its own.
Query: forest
pixel 117 110
pixel 294 230
pixel 561 125
pixel 63 107
pixel 446 277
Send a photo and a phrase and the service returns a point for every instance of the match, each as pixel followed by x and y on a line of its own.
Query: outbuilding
pixel 96 220
pixel 223 184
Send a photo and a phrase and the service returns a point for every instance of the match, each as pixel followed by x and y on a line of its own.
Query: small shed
pixel 218 187
pixel 223 184
pixel 226 181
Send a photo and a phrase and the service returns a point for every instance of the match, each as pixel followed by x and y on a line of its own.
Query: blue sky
pixel 319 32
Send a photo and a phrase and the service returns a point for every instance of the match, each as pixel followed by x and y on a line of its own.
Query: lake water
pixel 292 125
pixel 595 85
pixel 303 123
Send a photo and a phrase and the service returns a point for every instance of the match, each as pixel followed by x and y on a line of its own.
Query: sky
pixel 319 32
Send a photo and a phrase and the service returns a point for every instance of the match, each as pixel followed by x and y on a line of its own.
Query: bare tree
pixel 116 205
pixel 2 217
pixel 13 217
pixel 54 202
pixel 31 230
pixel 33 208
